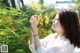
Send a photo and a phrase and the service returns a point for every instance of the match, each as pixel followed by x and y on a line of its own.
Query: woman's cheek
pixel 56 26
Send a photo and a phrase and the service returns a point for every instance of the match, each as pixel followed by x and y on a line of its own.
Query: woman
pixel 66 38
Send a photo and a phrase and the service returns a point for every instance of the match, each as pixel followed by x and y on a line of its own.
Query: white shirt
pixel 60 45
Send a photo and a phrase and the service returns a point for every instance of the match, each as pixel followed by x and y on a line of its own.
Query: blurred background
pixel 14 20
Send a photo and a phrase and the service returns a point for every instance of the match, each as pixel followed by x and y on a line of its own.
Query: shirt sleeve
pixel 31 47
pixel 43 41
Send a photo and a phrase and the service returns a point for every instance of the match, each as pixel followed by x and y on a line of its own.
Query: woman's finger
pixel 36 16
pixel 31 19
pixel 35 19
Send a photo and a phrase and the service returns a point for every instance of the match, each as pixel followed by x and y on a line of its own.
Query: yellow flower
pixel 36 5
pixel 13 30
pixel 2 33
pixel 41 20
pixel 46 19
pixel 5 20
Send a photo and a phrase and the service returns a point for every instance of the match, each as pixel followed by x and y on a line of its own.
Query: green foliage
pixel 15 28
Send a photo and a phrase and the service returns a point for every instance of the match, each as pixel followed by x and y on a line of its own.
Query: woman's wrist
pixel 35 33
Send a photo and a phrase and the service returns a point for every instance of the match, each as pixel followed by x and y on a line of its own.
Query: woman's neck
pixel 60 34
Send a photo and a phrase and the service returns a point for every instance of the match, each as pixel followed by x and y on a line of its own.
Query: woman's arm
pixel 36 40
pixel 31 38
pixel 34 23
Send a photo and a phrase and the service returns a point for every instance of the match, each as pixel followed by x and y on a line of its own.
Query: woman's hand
pixel 34 22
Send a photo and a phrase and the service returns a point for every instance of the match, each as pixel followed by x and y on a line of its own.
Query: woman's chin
pixel 53 27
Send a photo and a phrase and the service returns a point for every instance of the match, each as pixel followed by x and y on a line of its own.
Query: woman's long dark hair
pixel 70 22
